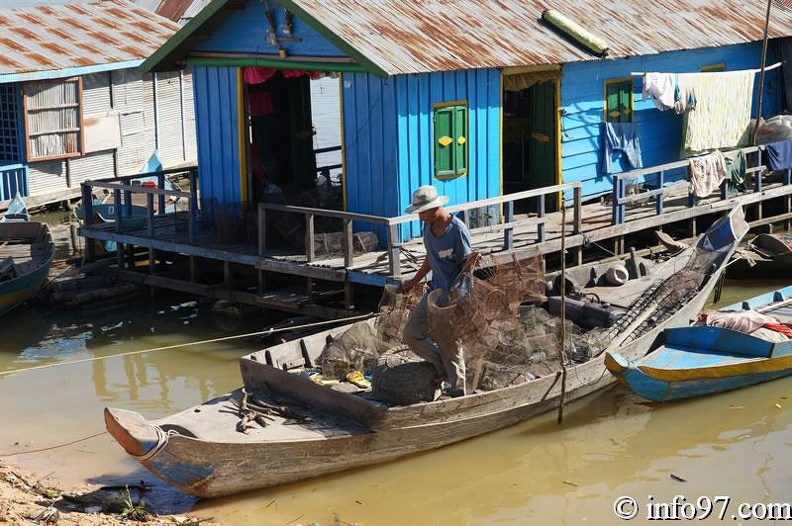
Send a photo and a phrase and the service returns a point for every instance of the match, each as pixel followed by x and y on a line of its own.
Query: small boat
pixel 287 424
pixel 769 257
pixel 26 254
pixel 717 355
pixel 133 217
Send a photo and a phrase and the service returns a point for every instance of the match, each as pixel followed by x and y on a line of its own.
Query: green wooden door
pixel 541 155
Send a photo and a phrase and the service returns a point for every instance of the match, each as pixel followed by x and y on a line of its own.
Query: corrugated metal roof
pixel 173 9
pixel 73 36
pixel 415 36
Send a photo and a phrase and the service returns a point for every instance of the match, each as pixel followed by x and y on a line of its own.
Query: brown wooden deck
pixel 180 252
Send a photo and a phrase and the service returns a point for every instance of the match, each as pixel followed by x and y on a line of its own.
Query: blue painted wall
pixel 217 131
pixel 660 132
pixel 389 139
pixel 246 32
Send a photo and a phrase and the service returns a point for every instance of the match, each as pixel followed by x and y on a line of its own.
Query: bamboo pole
pixel 563 314
pixel 761 75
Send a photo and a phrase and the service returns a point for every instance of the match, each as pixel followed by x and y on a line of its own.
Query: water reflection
pixel 538 472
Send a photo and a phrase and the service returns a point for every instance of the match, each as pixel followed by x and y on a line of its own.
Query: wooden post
pixel 310 249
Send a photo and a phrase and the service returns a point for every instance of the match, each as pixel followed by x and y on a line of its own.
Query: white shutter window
pixel 53 119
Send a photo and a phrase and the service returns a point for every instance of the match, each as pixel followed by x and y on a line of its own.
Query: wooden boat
pixel 26 254
pixel 133 217
pixel 701 359
pixel 770 258
pixel 213 449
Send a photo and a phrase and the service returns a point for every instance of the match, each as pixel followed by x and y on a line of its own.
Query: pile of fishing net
pixel 356 349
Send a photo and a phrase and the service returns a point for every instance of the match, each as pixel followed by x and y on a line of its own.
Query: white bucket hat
pixel 426 198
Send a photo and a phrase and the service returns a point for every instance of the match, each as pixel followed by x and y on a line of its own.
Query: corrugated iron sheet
pixel 173 9
pixel 416 36
pixel 47 38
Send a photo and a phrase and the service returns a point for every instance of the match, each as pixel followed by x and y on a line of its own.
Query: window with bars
pixel 10 129
pixel 451 139
pixel 53 118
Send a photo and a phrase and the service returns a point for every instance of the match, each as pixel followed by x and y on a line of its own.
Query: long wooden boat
pixel 209 450
pixel 26 254
pixel 132 216
pixel 702 359
pixel 770 258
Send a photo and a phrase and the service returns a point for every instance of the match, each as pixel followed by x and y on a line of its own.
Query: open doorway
pixel 294 137
pixel 281 158
pixel 530 137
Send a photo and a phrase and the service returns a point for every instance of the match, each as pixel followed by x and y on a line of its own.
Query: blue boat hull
pixel 17 290
pixel 701 360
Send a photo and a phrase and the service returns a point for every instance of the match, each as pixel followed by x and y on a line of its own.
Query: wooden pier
pixel 236 259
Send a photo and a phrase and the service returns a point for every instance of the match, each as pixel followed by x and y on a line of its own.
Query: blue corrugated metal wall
pixel 217 129
pixel 660 133
pixel 388 139
pixel 245 31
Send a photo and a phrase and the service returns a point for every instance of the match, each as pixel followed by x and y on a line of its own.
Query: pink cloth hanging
pixel 258 75
pixel 260 104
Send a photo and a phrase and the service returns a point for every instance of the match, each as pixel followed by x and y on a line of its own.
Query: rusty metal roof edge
pixel 6 78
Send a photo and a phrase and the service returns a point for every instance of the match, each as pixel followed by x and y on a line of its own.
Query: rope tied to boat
pixel 162 441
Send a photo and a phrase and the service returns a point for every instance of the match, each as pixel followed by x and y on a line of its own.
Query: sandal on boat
pixel 356 378
pixel 319 379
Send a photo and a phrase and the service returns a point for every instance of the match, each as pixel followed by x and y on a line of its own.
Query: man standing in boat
pixel 448 253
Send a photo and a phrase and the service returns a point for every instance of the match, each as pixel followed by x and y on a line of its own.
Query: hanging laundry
pixel 621 138
pixel 779 155
pixel 684 94
pixel 257 75
pixel 735 171
pixel 722 114
pixel 661 88
pixel 707 172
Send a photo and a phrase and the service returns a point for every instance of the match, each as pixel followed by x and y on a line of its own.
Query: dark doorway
pixel 281 136
pixel 530 141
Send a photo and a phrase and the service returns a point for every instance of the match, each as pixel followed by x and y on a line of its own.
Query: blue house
pixel 479 98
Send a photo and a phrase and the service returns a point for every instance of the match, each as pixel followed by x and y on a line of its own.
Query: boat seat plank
pixel 217 419
pixel 280 384
pixel 719 339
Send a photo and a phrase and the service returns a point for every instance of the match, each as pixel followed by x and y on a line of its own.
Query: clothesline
pixel 768 68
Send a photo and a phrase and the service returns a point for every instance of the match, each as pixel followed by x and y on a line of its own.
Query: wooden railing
pixel 124 188
pixel 13 179
pixel 656 177
pixel 391 224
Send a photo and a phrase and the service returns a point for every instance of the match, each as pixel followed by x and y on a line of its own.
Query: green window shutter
pixel 619 101
pixel 450 141
pixel 460 140
pixel 443 142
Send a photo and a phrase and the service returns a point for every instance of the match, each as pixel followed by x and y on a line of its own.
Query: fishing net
pixel 402 378
pixel 394 310
pixel 502 342
pixel 357 348
pixel 663 299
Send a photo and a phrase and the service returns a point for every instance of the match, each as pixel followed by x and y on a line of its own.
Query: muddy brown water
pixel 734 445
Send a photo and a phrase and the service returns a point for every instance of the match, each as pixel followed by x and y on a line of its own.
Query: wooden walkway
pixel 180 252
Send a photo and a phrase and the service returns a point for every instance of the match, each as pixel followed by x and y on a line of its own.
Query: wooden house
pixel 74 105
pixel 479 98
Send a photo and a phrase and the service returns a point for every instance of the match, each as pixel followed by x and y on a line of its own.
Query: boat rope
pixel 39 450
pixel 162 441
pixel 266 332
